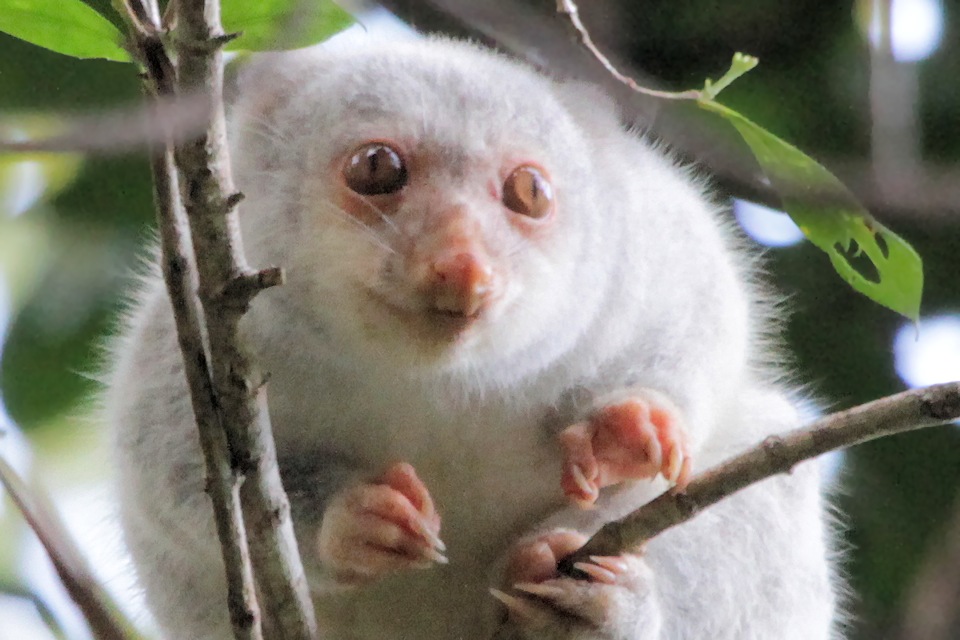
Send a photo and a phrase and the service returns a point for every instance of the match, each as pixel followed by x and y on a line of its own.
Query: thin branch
pixel 223 485
pixel 777 454
pixel 570 9
pixel 224 279
pixel 532 31
pixel 102 614
pixel 179 275
pixel 228 398
pixel 117 130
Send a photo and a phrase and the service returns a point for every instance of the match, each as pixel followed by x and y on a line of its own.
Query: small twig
pixel 777 454
pixel 101 613
pixel 569 7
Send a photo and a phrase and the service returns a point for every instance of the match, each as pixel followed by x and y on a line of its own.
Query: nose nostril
pixel 461 284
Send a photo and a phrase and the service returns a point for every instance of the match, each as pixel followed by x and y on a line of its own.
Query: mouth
pixel 430 325
pixel 450 321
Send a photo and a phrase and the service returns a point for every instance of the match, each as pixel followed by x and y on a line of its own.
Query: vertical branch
pixel 226 387
pixel 222 483
pixel 226 286
pixel 893 93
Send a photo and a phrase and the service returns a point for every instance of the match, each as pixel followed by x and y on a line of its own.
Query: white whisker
pixel 380 214
pixel 369 232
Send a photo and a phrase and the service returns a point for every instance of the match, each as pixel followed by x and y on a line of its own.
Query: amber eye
pixel 527 192
pixel 375 169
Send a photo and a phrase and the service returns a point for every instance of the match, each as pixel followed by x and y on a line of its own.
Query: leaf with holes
pixel 66 26
pixel 270 25
pixel 871 258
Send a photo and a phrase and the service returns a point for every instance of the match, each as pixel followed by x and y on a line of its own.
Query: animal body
pixel 507 320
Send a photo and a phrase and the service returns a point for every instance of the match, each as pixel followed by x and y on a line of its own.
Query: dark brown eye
pixel 527 192
pixel 375 169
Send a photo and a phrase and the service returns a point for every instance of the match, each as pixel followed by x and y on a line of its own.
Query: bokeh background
pixel 884 111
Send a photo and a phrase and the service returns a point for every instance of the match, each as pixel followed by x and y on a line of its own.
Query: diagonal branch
pixel 100 611
pixel 899 413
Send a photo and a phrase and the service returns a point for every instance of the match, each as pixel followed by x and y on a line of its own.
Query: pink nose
pixel 461 283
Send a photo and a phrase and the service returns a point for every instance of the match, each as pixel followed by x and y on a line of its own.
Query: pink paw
pixel 609 603
pixel 632 439
pixel 373 529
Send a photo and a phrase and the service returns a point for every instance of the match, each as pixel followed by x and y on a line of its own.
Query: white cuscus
pixel 632 280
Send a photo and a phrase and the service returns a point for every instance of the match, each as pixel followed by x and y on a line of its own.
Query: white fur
pixel 637 283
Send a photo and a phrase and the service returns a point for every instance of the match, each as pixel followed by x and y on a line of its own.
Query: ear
pixel 263 83
pixel 590 105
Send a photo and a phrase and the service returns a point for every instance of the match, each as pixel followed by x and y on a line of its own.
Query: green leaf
pixel 270 25
pixel 65 26
pixel 870 257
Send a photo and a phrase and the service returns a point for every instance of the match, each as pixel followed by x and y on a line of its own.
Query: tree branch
pixel 210 201
pixel 101 613
pixel 535 32
pixel 179 273
pixel 777 454
pixel 228 395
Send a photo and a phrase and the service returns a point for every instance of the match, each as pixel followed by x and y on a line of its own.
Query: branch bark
pixel 899 413
pixel 251 510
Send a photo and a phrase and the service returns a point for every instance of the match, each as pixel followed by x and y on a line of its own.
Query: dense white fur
pixel 638 283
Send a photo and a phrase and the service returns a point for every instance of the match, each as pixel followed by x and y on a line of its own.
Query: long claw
pixel 589 490
pixel 516 606
pixel 675 466
pixel 683 478
pixel 435 556
pixel 614 564
pixel 597 573
pixel 430 536
pixel 540 590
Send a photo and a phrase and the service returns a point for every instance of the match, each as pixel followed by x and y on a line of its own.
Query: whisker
pixel 368 232
pixel 265 129
pixel 518 246
pixel 380 214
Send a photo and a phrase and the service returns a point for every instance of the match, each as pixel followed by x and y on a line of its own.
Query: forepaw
pixel 612 602
pixel 631 439
pixel 373 529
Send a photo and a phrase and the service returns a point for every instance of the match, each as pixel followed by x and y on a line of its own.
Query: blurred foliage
pixel 66 260
pixel 69 27
pixel 86 231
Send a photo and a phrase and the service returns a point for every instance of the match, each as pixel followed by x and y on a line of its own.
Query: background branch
pixel 535 32
pixel 99 610
pixel 931 611
pixel 777 454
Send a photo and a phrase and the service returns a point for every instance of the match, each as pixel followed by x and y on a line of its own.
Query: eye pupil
pixel 375 169
pixel 527 192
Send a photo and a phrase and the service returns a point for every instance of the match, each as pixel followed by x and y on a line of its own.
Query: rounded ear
pixel 266 83
pixel 262 83
pixel 590 105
